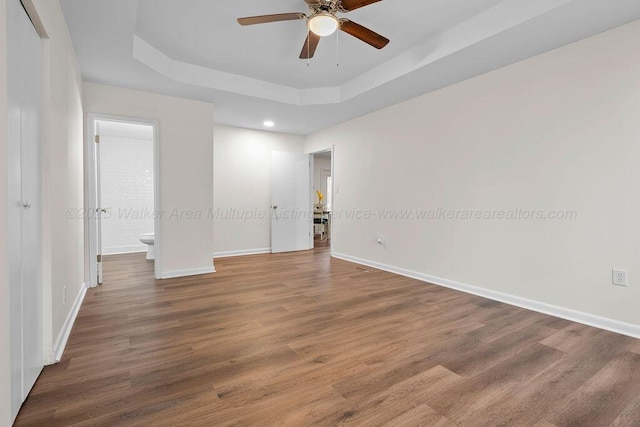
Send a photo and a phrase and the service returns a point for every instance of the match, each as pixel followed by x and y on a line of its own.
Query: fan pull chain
pixel 338 48
pixel 308 48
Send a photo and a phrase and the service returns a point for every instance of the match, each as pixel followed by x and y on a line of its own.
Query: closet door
pixel 25 196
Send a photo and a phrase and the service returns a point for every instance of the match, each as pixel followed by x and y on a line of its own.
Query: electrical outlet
pixel 619 277
pixel 64 295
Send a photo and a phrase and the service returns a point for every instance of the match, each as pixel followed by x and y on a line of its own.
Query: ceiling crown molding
pixel 500 18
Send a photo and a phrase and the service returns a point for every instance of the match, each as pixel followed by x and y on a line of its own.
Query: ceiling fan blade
pixel 310 45
pixel 312 1
pixel 350 5
pixel 364 34
pixel 263 19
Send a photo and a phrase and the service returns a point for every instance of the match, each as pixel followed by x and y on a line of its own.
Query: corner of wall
pixel 63 336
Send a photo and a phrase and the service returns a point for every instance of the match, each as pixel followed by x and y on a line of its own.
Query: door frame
pixel 312 191
pixel 92 189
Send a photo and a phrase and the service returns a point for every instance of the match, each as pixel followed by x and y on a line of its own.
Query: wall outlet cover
pixel 619 277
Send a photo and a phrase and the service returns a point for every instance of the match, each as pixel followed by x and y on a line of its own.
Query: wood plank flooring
pixel 302 339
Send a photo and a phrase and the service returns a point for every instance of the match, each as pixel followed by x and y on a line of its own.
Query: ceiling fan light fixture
pixel 323 24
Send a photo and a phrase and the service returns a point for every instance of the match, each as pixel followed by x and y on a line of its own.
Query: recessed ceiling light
pixel 269 123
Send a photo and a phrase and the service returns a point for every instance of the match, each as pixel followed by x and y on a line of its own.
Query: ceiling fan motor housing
pixel 329 6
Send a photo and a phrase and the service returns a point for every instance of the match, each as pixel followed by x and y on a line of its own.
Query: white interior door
pixel 291 215
pixel 25 210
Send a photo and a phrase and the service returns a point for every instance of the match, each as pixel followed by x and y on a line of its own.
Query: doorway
pixel 123 190
pixel 322 197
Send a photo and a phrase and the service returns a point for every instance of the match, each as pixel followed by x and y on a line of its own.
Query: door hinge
pixel 99 258
pixel 97 139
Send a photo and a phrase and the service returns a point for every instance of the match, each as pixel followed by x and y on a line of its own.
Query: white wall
pixel 126 177
pixel 62 176
pixel 5 366
pixel 242 187
pixel 186 175
pixel 558 131
pixel 63 238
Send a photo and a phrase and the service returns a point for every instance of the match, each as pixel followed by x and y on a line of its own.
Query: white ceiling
pixel 196 49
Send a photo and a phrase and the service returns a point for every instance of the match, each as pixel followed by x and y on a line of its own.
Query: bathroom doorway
pixel 123 209
pixel 322 198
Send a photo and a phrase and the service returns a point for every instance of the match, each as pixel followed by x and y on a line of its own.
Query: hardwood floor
pixel 301 339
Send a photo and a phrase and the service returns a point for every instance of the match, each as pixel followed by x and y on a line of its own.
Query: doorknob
pixel 101 210
pixel 275 206
pixel 27 205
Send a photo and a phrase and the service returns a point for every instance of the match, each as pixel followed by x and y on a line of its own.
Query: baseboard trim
pixel 124 250
pixel 541 307
pixel 242 253
pixel 185 273
pixel 63 336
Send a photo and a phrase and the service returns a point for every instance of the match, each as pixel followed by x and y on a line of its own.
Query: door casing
pixel 92 189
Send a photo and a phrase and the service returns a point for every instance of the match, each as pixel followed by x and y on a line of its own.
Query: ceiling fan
pixel 322 21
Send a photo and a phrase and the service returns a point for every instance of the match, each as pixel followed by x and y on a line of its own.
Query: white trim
pixel 331 151
pixel 90 171
pixel 243 252
pixel 63 336
pixel 117 250
pixel 157 201
pixel 190 272
pixel 541 307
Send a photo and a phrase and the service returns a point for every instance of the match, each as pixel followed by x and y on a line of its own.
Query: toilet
pixel 149 239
